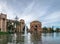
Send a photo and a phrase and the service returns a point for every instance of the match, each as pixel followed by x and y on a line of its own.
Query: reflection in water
pixel 34 38
pixel 12 39
pixel 3 39
pixel 50 38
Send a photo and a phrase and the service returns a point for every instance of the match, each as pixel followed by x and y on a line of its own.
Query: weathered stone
pixel 35 26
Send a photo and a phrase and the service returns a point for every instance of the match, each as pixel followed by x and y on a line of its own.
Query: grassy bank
pixel 4 33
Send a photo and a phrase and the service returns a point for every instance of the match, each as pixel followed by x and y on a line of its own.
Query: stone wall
pixel 3 22
pixel 35 26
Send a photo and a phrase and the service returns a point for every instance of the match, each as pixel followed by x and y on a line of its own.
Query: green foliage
pixel 10 27
pixel 57 30
pixel 45 29
pixel 4 33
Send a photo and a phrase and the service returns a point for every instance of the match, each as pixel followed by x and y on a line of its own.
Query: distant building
pixel 3 24
pixel 35 26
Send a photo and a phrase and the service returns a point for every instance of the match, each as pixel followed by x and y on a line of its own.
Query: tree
pixel 44 29
pixel 10 27
pixel 57 29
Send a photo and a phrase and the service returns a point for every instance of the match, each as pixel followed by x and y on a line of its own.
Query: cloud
pixel 28 8
pixel 46 11
pixel 3 7
pixel 52 19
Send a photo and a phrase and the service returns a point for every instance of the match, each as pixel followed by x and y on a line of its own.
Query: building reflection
pixel 36 38
pixel 16 39
pixel 3 39
pixel 20 38
pixel 12 39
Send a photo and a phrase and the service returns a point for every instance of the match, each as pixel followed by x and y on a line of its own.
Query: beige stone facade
pixel 19 26
pixel 3 22
pixel 35 26
pixel 22 25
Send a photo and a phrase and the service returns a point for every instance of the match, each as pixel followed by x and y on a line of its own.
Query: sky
pixel 45 11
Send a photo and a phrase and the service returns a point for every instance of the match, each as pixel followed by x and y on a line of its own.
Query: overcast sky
pixel 45 11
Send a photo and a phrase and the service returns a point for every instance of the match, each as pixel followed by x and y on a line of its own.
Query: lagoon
pixel 34 38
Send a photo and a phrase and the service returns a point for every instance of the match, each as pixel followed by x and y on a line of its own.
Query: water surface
pixel 34 38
